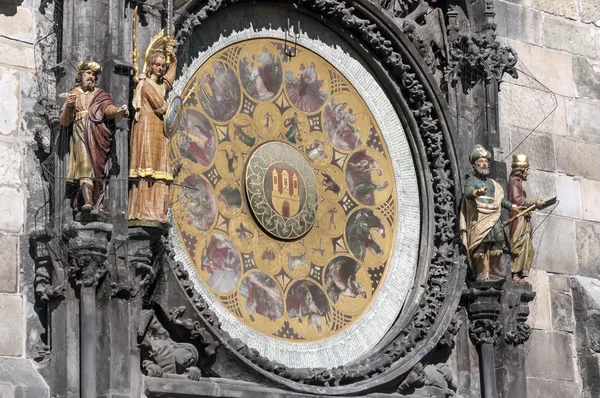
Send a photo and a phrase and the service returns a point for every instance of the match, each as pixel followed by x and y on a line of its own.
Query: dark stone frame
pixel 441 272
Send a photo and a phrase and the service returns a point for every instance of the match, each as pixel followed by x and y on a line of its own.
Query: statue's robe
pixel 149 161
pixel 480 217
pixel 90 137
pixel 520 229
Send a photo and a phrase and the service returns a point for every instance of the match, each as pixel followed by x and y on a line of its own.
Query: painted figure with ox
pixel 86 112
pixel 262 296
pixel 149 165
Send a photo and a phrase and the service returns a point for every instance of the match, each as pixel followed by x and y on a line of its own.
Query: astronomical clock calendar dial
pixel 286 204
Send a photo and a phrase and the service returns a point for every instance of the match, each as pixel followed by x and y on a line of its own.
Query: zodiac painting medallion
pixel 285 200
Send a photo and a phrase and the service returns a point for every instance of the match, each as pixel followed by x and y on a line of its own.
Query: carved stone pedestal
pixel 142 245
pixel 483 306
pixel 87 248
pixel 511 372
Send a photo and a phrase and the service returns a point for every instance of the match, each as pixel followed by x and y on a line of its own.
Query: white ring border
pixel 374 323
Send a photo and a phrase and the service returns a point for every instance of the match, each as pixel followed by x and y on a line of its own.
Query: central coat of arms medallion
pixel 282 190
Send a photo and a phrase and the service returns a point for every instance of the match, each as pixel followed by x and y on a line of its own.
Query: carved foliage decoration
pixel 445 255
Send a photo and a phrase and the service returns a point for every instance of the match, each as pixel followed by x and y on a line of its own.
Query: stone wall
pixel 558 46
pixel 19 93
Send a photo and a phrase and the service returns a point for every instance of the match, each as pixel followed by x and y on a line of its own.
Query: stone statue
pixel 86 111
pixel 480 226
pixel 520 229
pixel 431 380
pixel 149 163
pixel 168 358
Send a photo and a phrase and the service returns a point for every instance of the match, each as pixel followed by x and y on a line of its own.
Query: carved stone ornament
pixel 87 253
pixel 167 358
pixel 479 56
pixel 397 353
pixel 429 380
pixel 517 331
pixel 484 309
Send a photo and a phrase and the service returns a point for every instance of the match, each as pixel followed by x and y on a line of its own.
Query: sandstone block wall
pixel 18 91
pixel 558 42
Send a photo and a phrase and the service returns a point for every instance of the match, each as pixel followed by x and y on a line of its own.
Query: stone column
pixel 143 243
pixel 88 253
pixel 511 372
pixel 485 329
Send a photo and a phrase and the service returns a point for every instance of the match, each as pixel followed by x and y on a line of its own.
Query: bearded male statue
pixel 480 226
pixel 86 112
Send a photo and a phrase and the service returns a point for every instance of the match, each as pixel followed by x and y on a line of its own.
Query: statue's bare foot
pixel 517 279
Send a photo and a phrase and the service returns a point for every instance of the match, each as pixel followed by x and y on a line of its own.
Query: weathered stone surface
pixel 588 247
pixel 589 10
pixel 12 202
pixel 555 244
pixel 568 191
pixel 19 26
pixel 12 325
pixel 583 119
pixel 553 69
pixel 566 36
pixel 540 184
pixel 562 8
pixel 19 378
pixel 577 158
pixel 9 106
pixel 540 317
pixel 591 199
pixel 10 164
pixel 8 263
pixel 518 23
pixel 532 108
pixel 550 356
pixel 562 304
pixel 551 388
pixel 539 147
pixel 16 53
pixel 586 75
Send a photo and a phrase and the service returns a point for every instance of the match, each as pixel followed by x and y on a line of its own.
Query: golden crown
pixel 520 160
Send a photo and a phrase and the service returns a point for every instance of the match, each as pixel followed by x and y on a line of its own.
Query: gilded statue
pixel 86 112
pixel 520 222
pixel 480 226
pixel 150 168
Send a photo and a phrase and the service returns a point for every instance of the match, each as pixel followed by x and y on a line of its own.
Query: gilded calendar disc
pixel 286 201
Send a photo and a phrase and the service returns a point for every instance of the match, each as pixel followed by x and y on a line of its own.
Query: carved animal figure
pixel 358 231
pixel 341 279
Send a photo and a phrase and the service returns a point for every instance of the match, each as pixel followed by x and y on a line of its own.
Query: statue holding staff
pixel 149 165
pixel 86 111
pixel 520 222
